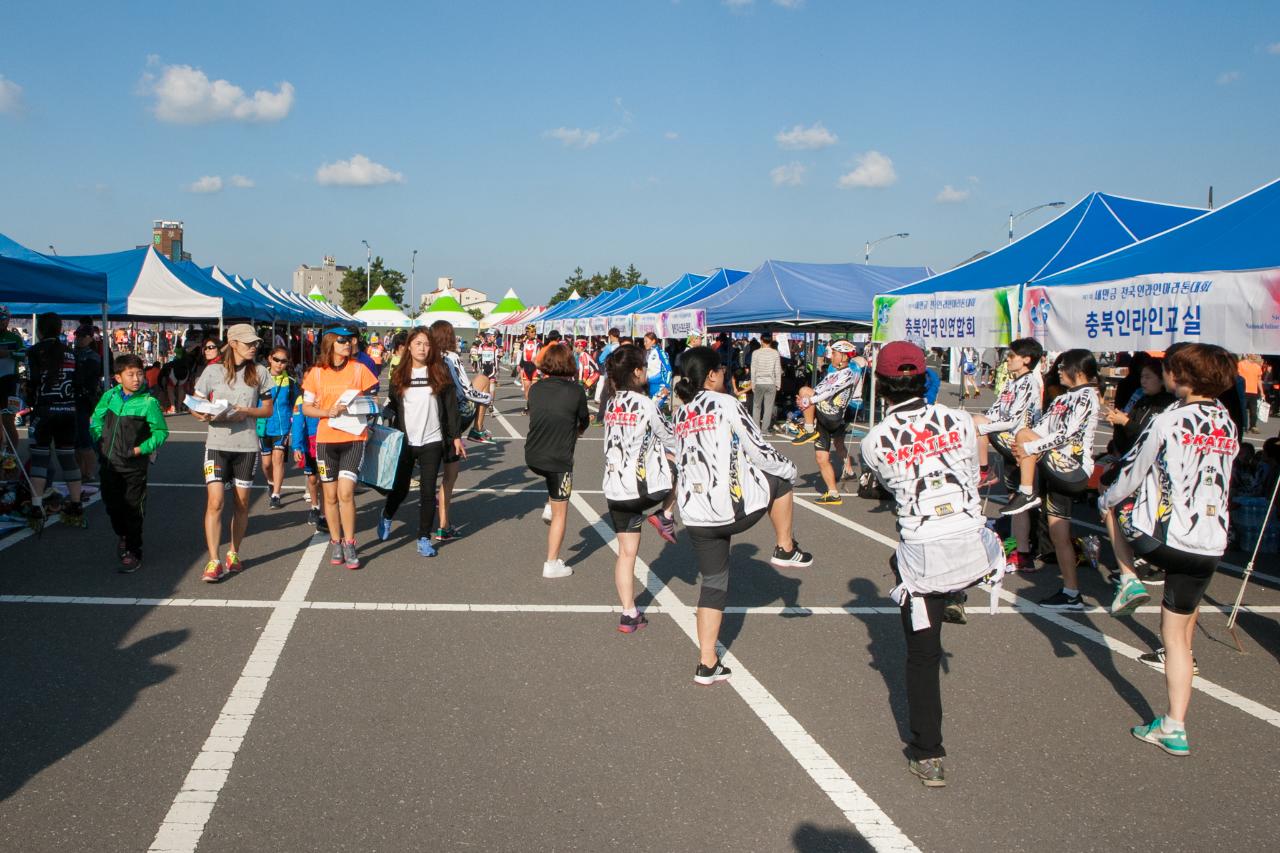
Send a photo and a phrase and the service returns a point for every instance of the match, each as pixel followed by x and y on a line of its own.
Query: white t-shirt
pixel 421 411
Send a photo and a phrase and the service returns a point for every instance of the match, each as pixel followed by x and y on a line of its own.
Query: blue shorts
pixel 268 443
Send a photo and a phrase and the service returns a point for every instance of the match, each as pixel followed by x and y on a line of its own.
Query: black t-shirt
pixel 557 413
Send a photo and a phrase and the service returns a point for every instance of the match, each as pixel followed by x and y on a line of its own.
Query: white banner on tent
pixel 621 322
pixel 980 318
pixel 599 325
pixel 1236 310
pixel 645 323
pixel 682 323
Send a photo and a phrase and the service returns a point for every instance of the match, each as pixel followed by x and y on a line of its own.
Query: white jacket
pixel 463 383
pixel 722 459
pixel 637 440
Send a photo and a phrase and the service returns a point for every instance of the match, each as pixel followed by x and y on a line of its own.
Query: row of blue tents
pixel 142 284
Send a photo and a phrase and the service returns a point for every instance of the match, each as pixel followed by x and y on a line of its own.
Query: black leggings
pixel 1186 575
pixel 711 548
pixel 427 457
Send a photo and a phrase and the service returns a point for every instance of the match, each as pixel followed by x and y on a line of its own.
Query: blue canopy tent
pixel 812 297
pixel 235 303
pixel 1214 279
pixel 559 310
pixel 975 304
pixel 26 275
pixel 650 315
pixel 617 312
pixel 670 293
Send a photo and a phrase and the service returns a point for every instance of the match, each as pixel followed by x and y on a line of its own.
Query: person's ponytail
pixel 684 390
pixel 696 364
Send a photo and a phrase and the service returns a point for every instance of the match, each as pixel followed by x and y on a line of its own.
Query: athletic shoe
pixel 72 515
pixel 988 479
pixel 666 527
pixel 349 556
pixel 322 523
pixel 1129 596
pixel 631 624
pixel 793 559
pixel 479 437
pixel 444 534
pixel 711 674
pixel 384 528
pixel 1020 502
pixel 829 499
pixel 524 412
pixel 424 547
pixel 213 572
pixel 1020 561
pixel 953 609
pixel 1061 601
pixel 121 548
pixel 804 437
pixel 1149 575
pixel 313 517
pixel 335 553
pixel 1156 659
pixel 556 569
pixel 233 564
pixel 546 513
pixel 129 563
pixel 276 502
pixel 929 772
pixel 1174 743
pixel 36 518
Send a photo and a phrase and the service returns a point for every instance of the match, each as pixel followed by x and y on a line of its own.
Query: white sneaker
pixel 546 513
pixel 555 569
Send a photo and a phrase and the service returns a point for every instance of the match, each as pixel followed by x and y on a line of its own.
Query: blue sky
pixel 512 141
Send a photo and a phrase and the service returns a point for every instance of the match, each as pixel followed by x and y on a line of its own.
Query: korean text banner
pixel 1236 310
pixel 979 318
pixel 682 323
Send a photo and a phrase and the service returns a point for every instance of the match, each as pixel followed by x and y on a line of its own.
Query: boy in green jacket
pixel 128 426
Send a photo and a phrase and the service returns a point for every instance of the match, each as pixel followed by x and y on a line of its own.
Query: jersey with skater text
pixel 722 460
pixel 463 384
pixel 1017 406
pixel 837 388
pixel 928 457
pixel 637 439
pixel 1179 472
pixel 1066 430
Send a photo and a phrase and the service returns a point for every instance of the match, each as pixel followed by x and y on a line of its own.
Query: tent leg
pixel 106 351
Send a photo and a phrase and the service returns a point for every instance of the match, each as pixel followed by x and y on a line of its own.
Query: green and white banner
pixel 978 318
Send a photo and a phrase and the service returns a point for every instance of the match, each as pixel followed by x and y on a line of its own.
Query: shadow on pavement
pixel 809 838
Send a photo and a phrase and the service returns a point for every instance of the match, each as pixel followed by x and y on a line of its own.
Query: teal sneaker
pixel 1174 743
pixel 1129 597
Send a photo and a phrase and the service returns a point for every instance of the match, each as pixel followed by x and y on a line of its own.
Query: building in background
pixel 468 297
pixel 327 277
pixel 166 237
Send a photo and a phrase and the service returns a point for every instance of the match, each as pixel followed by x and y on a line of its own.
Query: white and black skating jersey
pixel 1179 472
pixel 636 442
pixel 1066 430
pixel 463 384
pixel 927 456
pixel 1017 406
pixel 722 460
pixel 837 389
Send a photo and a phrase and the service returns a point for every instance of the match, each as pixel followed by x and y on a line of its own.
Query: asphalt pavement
pixel 465 703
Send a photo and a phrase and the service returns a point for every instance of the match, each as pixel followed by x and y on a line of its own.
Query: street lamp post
pixel 368 271
pixel 52 250
pixel 866 252
pixel 1014 217
pixel 413 263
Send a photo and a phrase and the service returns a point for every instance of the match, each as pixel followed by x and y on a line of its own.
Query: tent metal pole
pixel 106 350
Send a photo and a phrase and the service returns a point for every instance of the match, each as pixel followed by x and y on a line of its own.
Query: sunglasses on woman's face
pixel 279 360
pixel 342 340
pixel 211 348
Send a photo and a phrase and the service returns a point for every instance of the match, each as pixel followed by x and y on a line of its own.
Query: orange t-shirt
pixel 323 386
pixel 1251 372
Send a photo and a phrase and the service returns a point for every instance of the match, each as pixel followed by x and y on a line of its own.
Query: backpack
pixel 869 488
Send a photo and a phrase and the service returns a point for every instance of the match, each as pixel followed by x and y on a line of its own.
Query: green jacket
pixel 119 425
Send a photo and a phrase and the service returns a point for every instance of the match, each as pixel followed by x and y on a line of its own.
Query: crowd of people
pixel 679 438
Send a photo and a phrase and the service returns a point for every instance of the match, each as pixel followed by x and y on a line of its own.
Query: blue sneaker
pixel 1129 596
pixel 384 528
pixel 1174 743
pixel 424 547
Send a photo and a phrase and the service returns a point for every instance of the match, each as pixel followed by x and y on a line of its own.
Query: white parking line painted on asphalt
pixel 184 825
pixel 1217 691
pixel 23 535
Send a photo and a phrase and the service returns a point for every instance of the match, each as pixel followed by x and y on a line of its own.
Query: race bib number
pixel 321 468
pixel 208 468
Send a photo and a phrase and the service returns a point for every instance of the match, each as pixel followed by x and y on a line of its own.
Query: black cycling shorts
pixel 1061 488
pixel 8 388
pixel 489 368
pixel 268 443
pixel 628 516
pixel 57 429
pixel 528 369
pixel 559 483
pixel 1186 575
pixel 830 428
pixel 230 466
pixel 339 460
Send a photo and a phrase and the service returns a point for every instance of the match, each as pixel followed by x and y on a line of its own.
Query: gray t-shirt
pixel 235 436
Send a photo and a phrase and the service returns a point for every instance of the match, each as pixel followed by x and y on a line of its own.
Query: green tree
pixel 598 283
pixel 633 276
pixel 615 279
pixel 353 285
pixel 476 312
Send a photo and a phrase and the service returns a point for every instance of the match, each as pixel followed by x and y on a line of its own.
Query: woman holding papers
pixel 230 396
pixel 328 391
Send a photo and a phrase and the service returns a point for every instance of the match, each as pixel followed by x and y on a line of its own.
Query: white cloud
pixel 1226 78
pixel 10 96
pixel 671 134
pixel 574 137
pixel 737 4
pixel 950 194
pixel 801 137
pixel 873 169
pixel 788 174
pixel 1274 48
pixel 186 95
pixel 789 4
pixel 207 184
pixel 359 171
pixel 241 182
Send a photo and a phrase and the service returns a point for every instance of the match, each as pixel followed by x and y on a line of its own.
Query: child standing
pixel 128 426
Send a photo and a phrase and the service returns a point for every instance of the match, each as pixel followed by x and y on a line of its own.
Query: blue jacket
pixel 283 395
pixel 932 384
pixel 658 370
pixel 303 429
